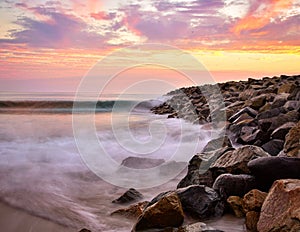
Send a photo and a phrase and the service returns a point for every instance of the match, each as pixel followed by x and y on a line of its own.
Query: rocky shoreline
pixel 258 178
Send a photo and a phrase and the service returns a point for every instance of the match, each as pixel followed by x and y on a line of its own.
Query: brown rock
pixel 133 211
pixel 167 212
pixel 253 200
pixel 236 204
pixel 286 88
pixel 256 102
pixel 281 209
pixel 235 162
pixel 251 220
pixel 292 142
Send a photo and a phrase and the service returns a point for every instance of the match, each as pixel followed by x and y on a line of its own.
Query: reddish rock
pixel 292 142
pixel 254 200
pixel 133 211
pixel 167 212
pixel 251 220
pixel 281 209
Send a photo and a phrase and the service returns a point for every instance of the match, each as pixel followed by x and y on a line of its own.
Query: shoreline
pixel 17 220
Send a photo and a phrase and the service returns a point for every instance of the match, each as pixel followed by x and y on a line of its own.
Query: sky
pixel 50 45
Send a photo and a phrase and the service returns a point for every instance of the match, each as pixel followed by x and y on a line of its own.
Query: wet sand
pixel 16 220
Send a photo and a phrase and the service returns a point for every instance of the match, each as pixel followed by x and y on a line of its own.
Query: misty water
pixel 43 172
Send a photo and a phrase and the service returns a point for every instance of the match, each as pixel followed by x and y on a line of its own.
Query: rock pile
pixel 257 112
pixel 258 179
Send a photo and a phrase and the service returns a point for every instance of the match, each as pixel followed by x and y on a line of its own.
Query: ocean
pixel 45 171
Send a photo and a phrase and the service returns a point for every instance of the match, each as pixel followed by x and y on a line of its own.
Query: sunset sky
pixel 50 45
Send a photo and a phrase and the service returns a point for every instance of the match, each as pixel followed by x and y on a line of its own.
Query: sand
pixel 15 220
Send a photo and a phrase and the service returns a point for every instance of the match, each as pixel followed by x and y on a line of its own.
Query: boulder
pixel 251 220
pixel 292 141
pixel 281 131
pixel 236 204
pixel 84 230
pixel 273 147
pixel 268 169
pixel 235 162
pixel 132 212
pixel 200 201
pixel 280 210
pixel 256 102
pixel 286 88
pixel 270 124
pixel 253 200
pixel 295 95
pixel 292 105
pixel 217 143
pixel 279 101
pixel 141 163
pixel 198 168
pixel 234 185
pixel 249 135
pixel 129 196
pixel 271 113
pixel 167 212
pixel 247 110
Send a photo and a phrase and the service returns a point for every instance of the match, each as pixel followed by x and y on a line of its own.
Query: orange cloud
pixel 261 15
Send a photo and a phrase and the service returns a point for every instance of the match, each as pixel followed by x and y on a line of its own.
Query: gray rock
pixel 279 101
pixel 268 169
pixel 198 168
pixel 273 147
pixel 196 227
pixel 282 131
pixel 141 163
pixel 217 143
pixel 271 113
pixel 234 185
pixel 200 201
pixel 292 105
pixel 129 196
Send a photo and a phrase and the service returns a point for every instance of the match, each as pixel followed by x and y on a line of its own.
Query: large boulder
pixel 281 209
pixel 268 169
pixel 198 168
pixel 129 196
pixel 234 185
pixel 167 212
pixel 200 202
pixel 235 162
pixel 292 141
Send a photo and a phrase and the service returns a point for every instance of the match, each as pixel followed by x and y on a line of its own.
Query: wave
pixel 79 106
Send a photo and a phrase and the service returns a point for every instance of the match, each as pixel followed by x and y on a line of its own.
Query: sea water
pixel 43 172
